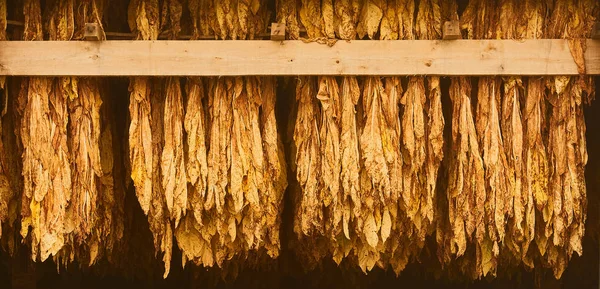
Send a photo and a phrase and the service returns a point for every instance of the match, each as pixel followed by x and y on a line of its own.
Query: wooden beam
pixel 228 58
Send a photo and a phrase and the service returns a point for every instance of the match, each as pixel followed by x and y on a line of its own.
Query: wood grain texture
pixel 228 58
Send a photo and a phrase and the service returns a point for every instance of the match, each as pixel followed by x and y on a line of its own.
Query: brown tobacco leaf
pixel 392 136
pixel 413 150
pixel 565 216
pixel 158 214
pixel 375 173
pixel 560 233
pixel 406 16
pixel 349 149
pixel 435 144
pixel 429 20
pixel 389 29
pixel 309 217
pixel 346 15
pixel 466 189
pixel 219 154
pixel 312 18
pixel 328 18
pixel 480 19
pixel 144 19
pixel 146 140
pixel 535 156
pixel 497 200
pixel 84 140
pixel 61 23
pixel 400 231
pixel 46 168
pixel 370 18
pixel 33 20
pixel 195 125
pixel 534 12
pixel 174 181
pixel 46 148
pixel 247 159
pixel 287 14
pixel 170 18
pixel 276 168
pixel 329 138
pixel 255 177
pixel 512 132
pixel 140 140
pixel 195 7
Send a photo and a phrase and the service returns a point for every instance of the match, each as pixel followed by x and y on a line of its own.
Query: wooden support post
pixel 277 31
pixel 92 31
pixel 596 31
pixel 451 30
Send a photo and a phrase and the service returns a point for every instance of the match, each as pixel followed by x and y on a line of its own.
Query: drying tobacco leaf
pixel 389 28
pixel 535 158
pixel 413 152
pixel 174 181
pixel 195 125
pixel 276 169
pixel 564 217
pixel 349 149
pixel 329 138
pixel 497 200
pixel 309 218
pixel 435 145
pixel 346 14
pixel 312 18
pixel 371 14
pixel 144 19
pixel 245 214
pixel 418 192
pixel 140 140
pixel 375 180
pixel 466 189
pixel 406 16
pixel 84 143
pixel 43 132
pixel 287 14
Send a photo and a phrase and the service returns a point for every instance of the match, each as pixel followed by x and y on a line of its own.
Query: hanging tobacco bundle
pixel 363 151
pixel 422 138
pixel 70 209
pixel 564 213
pixel 42 105
pixel 156 131
pixel 234 155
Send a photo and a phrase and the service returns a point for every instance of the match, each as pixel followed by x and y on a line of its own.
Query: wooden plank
pixel 228 58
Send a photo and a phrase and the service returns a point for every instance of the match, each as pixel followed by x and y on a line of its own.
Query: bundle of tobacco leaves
pixel 69 201
pixel 224 143
pixel 367 179
pixel 563 208
pixel 42 105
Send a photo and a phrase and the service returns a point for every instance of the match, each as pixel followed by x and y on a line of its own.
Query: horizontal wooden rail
pixel 260 57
